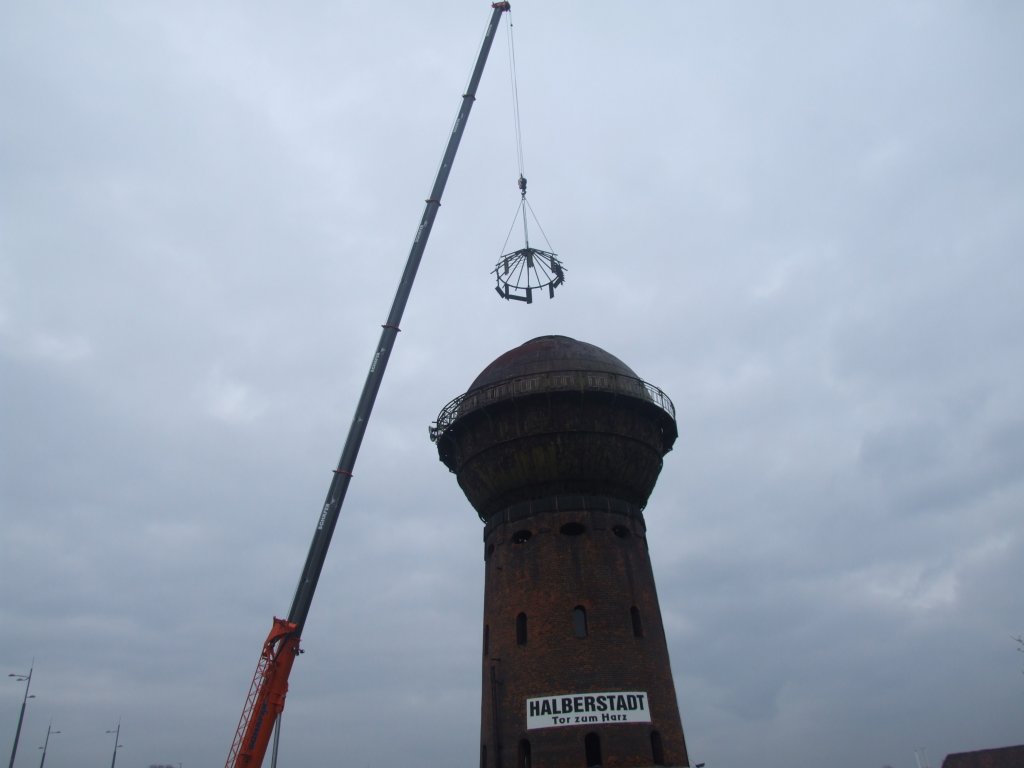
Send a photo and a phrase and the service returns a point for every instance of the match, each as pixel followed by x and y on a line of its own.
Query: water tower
pixel 557 445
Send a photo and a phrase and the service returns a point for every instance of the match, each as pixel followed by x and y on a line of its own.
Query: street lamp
pixel 27 680
pixel 49 731
pixel 117 735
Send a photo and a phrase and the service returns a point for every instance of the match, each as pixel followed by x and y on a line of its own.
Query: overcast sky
pixel 804 221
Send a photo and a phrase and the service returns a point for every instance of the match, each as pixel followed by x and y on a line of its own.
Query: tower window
pixel 572 529
pixel 592 744
pixel 521 537
pixel 525 760
pixel 638 627
pixel 579 621
pixel 521 629
pixel 657 753
pixel 621 531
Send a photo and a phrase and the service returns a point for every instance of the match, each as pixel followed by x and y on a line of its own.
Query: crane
pixel 265 700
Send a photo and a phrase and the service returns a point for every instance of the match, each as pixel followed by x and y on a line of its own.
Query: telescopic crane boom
pixel 270 683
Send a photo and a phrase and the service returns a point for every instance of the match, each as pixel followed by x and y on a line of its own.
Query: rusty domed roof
pixel 547 354
pixel 555 417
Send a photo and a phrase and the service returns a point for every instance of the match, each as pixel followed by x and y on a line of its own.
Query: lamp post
pixel 46 743
pixel 117 735
pixel 27 680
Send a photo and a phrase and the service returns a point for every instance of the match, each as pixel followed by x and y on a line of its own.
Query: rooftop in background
pixel 1001 757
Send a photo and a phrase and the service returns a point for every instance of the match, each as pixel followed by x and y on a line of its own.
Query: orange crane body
pixel 266 695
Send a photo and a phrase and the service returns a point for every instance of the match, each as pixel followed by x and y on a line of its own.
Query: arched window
pixel 657 753
pixel 638 627
pixel 592 744
pixel 521 629
pixel 525 760
pixel 579 621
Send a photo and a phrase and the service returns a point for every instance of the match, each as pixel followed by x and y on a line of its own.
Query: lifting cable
pixel 519 273
pixel 517 124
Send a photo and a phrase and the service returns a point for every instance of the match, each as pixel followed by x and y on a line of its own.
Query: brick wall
pixel 534 568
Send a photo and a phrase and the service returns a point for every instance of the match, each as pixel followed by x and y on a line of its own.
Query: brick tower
pixel 557 445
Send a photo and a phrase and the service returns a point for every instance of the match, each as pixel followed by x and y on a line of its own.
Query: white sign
pixel 587 709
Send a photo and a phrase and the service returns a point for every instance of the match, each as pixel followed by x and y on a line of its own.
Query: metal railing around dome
pixel 549 381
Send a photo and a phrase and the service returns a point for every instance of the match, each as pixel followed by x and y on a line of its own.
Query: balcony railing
pixel 550 381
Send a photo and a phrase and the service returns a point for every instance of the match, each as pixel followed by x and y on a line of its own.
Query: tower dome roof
pixel 547 354
pixel 555 417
